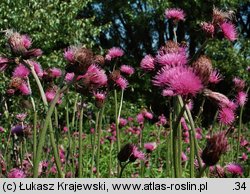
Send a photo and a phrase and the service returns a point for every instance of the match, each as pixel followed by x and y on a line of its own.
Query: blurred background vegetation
pixel 138 27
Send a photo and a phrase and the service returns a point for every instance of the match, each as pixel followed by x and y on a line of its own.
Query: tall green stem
pixel 99 143
pixel 239 131
pixel 80 159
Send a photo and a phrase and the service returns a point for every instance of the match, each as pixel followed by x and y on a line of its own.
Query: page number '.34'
pixel 240 186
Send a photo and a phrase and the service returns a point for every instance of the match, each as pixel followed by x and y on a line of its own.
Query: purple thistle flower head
pixel 215 77
pixel 229 31
pixel 180 79
pixel 121 82
pixel 21 71
pixel 235 169
pixel 172 59
pixel 127 69
pixel 136 154
pixel 208 28
pixel 114 53
pixel 241 98
pixel 175 14
pixel 226 115
pixel 239 84
pixel 16 173
pixel 24 89
pixel 147 63
pixel 69 77
pixel 150 147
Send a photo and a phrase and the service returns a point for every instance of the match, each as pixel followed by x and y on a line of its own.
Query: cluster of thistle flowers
pixel 178 75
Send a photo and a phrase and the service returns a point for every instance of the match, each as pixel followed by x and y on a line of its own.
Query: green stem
pixel 202 170
pixel 239 131
pixel 80 159
pixel 44 130
pixel 99 143
pixel 117 127
pixel 192 153
pixel 94 144
pixel 122 168
pixel 110 158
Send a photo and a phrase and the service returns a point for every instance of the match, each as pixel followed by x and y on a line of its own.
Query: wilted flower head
pixel 203 68
pixel 235 169
pixel 215 77
pixel 16 173
pixel 216 146
pixel 220 16
pixel 175 14
pixel 94 78
pixel 147 63
pixel 229 31
pixel 127 69
pixel 79 59
pixel 21 71
pixel 114 53
pixel 181 80
pixel 150 146
pixel 241 98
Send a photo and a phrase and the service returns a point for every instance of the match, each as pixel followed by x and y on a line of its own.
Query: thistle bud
pixel 216 146
pixel 125 152
pixel 99 60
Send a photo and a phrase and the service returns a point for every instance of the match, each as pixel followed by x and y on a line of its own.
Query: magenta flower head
pixel 147 63
pixel 241 98
pixel 136 154
pixel 24 89
pixel 140 118
pixel 172 59
pixel 95 77
pixel 3 63
pixel 114 53
pixel 123 122
pixel 150 147
pixel 180 79
pixel 121 82
pixel 69 54
pixel 229 31
pixel 55 72
pixel 208 28
pixel 21 71
pixel 147 114
pixel 16 173
pixel 175 14
pixel 235 169
pixel 126 69
pixel 215 77
pixel 38 68
pixel 99 98
pixel 69 77
pixel 226 116
pixel 239 84
pixel 216 146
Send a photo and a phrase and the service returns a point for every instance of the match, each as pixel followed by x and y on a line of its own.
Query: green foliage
pixel 52 24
